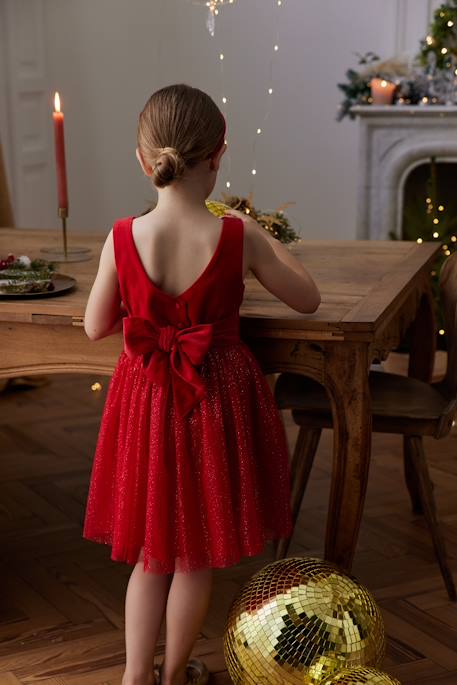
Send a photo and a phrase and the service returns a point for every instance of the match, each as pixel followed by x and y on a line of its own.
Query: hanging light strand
pixel 269 92
pixel 221 57
pixel 224 108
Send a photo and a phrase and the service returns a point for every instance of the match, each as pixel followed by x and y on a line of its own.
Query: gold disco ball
pixel 217 208
pixel 362 676
pixel 299 620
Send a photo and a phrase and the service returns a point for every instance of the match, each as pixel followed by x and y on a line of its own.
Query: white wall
pixel 107 56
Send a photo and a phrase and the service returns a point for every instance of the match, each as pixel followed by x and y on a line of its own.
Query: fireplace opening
pixel 429 213
pixel 430 203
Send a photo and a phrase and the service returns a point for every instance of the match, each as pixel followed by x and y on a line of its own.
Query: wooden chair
pixel 400 404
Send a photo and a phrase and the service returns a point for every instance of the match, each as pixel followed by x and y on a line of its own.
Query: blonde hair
pixel 178 127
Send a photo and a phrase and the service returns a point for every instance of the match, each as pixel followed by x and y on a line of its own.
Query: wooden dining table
pixel 373 294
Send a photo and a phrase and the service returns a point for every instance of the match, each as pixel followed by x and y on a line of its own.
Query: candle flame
pixel 57 102
pixel 384 83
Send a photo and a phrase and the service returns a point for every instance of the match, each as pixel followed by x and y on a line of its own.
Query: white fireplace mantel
pixel 393 140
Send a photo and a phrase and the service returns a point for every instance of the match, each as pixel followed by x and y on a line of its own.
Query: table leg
pixel 421 362
pixel 346 381
pixel 423 339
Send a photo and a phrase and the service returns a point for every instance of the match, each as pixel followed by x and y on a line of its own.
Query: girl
pixel 191 467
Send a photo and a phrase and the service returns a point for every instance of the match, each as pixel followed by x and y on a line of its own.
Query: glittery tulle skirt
pixel 198 491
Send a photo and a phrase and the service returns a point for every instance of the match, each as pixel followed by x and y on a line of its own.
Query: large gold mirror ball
pixel 298 620
pixel 362 676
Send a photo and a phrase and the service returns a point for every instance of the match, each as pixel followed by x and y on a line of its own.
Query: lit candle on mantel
pixel 61 170
pixel 382 91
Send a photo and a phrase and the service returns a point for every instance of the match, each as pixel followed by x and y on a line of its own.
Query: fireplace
pixel 396 143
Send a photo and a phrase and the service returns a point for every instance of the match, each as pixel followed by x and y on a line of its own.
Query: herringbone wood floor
pixel 62 598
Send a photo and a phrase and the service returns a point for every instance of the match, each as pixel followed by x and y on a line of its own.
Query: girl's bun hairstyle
pixel 178 127
pixel 168 167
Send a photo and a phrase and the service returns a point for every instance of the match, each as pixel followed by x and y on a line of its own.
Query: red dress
pixel 191 460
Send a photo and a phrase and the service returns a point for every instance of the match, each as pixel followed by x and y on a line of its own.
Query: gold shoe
pixel 197 672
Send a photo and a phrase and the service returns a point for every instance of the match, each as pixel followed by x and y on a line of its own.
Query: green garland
pixel 16 276
pixel 357 90
pixel 275 222
pixel 37 264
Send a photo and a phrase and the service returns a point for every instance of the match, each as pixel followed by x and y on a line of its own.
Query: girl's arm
pixel 277 269
pixel 104 310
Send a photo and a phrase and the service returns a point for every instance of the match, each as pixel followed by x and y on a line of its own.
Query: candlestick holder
pixel 68 254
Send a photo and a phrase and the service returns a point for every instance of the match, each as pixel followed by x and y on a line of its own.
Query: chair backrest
pixel 448 294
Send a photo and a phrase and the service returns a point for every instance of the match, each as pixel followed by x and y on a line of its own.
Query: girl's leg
pixel 187 605
pixel 145 602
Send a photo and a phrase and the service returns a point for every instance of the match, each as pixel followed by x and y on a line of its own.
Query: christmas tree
pixel 442 36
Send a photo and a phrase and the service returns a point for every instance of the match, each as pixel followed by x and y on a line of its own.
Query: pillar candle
pixel 382 91
pixel 61 171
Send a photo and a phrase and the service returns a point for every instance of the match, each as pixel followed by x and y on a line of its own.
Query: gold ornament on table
pixel 300 620
pixel 274 222
pixel 213 10
pixel 219 209
pixel 361 676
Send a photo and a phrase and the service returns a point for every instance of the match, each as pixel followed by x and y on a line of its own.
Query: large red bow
pixel 168 349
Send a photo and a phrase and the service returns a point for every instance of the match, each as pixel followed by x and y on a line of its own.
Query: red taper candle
pixel 61 170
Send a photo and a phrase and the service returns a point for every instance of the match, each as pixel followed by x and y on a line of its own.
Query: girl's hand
pixel 241 215
pixel 276 267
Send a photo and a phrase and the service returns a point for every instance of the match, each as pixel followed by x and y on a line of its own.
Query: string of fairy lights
pixel 436 210
pixel 225 109
pixel 213 8
pixel 269 91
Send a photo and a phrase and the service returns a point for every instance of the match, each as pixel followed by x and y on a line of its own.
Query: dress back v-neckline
pixel 199 278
